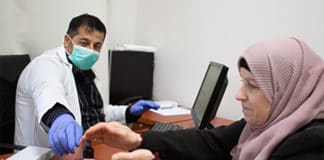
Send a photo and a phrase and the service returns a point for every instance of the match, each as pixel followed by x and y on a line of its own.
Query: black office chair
pixel 10 68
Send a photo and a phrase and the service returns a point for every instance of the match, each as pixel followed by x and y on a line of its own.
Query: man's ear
pixel 66 41
pixel 67 44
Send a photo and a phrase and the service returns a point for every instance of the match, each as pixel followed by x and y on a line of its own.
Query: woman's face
pixel 255 106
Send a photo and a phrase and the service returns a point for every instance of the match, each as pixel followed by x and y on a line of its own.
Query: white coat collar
pixel 61 53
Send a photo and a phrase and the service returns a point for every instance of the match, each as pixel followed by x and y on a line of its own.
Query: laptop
pixel 207 100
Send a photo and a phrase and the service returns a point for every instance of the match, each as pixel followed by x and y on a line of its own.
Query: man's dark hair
pixel 85 20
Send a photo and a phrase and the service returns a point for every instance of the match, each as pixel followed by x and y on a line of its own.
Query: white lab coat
pixel 46 80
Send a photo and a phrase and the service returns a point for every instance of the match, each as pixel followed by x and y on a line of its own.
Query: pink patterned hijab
pixel 291 76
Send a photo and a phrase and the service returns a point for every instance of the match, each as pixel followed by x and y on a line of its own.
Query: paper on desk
pixel 172 111
pixel 33 153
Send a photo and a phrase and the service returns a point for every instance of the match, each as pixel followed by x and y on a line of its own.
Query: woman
pixel 282 102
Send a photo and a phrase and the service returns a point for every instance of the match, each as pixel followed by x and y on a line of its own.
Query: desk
pixel 149 118
pixel 102 152
pixel 5 156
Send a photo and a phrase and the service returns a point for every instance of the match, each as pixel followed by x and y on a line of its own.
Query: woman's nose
pixel 240 95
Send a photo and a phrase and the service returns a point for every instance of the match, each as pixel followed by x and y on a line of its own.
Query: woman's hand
pixel 112 134
pixel 139 154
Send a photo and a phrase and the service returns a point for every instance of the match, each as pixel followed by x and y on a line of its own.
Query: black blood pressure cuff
pixel 129 117
pixel 49 117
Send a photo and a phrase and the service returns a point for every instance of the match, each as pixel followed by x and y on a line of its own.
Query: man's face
pixel 91 39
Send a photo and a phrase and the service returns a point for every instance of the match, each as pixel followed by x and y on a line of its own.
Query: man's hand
pixel 142 106
pixel 139 154
pixel 112 134
pixel 64 134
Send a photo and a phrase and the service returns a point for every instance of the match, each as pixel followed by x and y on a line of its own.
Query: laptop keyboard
pixel 161 127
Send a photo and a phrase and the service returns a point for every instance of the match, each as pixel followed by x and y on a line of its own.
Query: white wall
pixel 187 33
pixel 190 33
pixel 34 26
pixel 121 22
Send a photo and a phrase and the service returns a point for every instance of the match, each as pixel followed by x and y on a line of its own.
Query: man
pixel 57 92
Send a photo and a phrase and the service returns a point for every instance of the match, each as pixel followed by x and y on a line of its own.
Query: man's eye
pixel 84 44
pixel 97 47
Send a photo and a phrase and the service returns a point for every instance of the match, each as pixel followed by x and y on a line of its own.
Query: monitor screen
pixel 210 95
pixel 131 76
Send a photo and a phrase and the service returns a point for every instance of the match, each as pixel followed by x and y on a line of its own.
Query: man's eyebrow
pixel 84 39
pixel 98 43
pixel 88 40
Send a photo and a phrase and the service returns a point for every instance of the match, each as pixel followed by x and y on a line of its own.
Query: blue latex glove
pixel 64 134
pixel 141 106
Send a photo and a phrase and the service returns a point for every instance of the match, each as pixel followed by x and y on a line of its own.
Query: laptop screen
pixel 210 95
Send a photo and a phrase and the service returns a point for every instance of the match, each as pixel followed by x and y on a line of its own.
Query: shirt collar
pixel 83 76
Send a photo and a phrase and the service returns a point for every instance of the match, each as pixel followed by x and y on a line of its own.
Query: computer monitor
pixel 210 95
pixel 131 76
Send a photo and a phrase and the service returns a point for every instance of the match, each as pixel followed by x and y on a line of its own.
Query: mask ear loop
pixel 73 43
pixel 70 39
